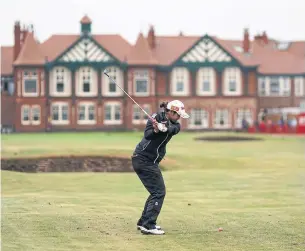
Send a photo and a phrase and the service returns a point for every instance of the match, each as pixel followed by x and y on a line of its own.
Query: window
pixel 30 115
pixel 199 118
pixel 232 80
pixel 113 113
pixel 30 83
pixel 87 82
pixel 141 80
pixel 274 86
pixel 299 86
pixel 206 80
pixel 86 113
pixel 221 118
pixel 25 115
pixel 60 113
pixel 262 86
pixel 109 88
pixel 60 82
pixel 243 115
pixel 35 114
pixel 139 117
pixel 286 90
pixel 179 81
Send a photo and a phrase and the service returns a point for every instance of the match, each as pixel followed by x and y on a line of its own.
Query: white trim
pixel 39 114
pixel 142 75
pixel 141 120
pixel 203 115
pixel 30 111
pixel 90 75
pixel 206 74
pixel 25 122
pixel 60 112
pixel 64 74
pixel 112 121
pixel 299 86
pixel 234 74
pixel 284 86
pixel 30 76
pixel 86 121
pixel 182 74
pixel 118 75
pixel 239 114
pixel 227 118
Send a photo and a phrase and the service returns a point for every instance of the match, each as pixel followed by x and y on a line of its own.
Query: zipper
pixel 146 145
pixel 159 147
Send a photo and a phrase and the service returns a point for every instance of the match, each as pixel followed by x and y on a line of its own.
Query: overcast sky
pixel 282 19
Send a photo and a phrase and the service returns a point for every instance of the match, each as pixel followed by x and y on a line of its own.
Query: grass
pixel 253 190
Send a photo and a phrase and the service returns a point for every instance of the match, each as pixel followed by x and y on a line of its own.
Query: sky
pixel 281 19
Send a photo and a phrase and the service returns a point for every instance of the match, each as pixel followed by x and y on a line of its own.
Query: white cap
pixel 178 107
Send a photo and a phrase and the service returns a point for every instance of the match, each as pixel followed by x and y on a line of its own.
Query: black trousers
pixel 151 177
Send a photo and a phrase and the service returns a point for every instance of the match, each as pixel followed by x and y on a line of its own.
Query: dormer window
pixel 86 82
pixel 60 82
pixel 30 83
pixel 180 81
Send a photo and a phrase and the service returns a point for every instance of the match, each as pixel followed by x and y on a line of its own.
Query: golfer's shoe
pixel 140 227
pixel 153 231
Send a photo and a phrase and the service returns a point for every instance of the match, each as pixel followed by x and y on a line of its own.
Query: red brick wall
pixel 252 83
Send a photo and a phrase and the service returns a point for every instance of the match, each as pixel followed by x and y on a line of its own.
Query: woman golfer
pixel 147 156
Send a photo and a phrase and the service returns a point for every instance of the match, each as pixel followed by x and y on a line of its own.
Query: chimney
pixel 246 41
pixel 151 37
pixel 17 33
pixel 265 37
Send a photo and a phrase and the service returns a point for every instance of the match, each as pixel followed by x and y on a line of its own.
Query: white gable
pixel 86 50
pixel 206 51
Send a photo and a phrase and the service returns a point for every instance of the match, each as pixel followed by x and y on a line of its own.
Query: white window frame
pixel 25 122
pixel 112 121
pixel 215 119
pixel 32 115
pixel 141 75
pixel 204 117
pixel 31 74
pixel 299 86
pixel 142 115
pixel 229 74
pixel 86 121
pixel 116 74
pixel 180 73
pixel 239 115
pixel 90 74
pixel 284 86
pixel 62 73
pixel 206 74
pixel 60 113
pixel 30 109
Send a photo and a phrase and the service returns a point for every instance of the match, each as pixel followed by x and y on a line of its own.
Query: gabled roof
pixel 170 48
pixel 7 54
pixel 57 44
pixel 31 53
pixel 297 48
pixel 273 61
pixel 141 53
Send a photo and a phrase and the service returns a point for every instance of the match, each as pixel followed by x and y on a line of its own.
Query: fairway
pixel 253 190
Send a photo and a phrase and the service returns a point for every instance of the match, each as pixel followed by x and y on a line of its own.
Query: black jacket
pixel 152 147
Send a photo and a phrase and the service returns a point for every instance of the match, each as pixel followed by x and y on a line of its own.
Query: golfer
pixel 147 156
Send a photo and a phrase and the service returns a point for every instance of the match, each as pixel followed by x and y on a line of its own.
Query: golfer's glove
pixel 162 127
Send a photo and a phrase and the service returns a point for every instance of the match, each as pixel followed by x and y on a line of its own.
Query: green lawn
pixel 255 191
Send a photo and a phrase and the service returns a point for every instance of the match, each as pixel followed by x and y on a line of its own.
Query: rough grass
pixel 253 190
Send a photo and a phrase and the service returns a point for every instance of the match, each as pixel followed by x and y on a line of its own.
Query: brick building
pixel 59 84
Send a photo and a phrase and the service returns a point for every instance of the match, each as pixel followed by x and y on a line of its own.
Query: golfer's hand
pixel 155 125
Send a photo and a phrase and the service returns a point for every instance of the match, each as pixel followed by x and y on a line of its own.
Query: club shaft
pixel 128 95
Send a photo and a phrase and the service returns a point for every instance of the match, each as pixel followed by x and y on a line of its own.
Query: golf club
pixel 111 79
